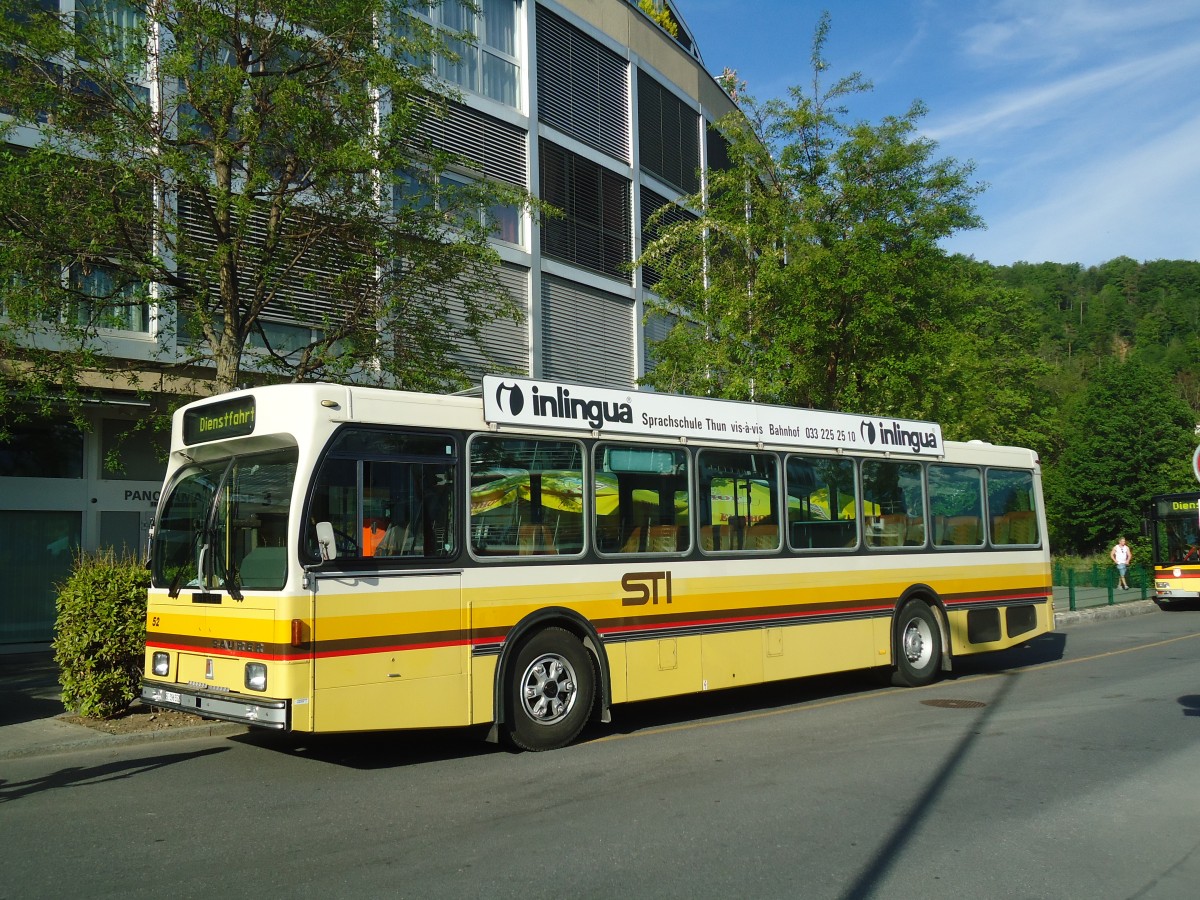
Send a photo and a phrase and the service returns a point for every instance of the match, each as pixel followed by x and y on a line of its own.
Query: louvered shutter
pixel 594 230
pixel 656 329
pixel 651 203
pixel 668 136
pixel 496 148
pixel 505 343
pixel 305 297
pixel 583 87
pixel 587 335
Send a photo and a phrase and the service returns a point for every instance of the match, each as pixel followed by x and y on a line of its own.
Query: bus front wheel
pixel 551 688
pixel 918 649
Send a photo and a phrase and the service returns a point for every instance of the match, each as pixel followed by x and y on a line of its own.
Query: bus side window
pixel 387 493
pixel 822 503
pixel 893 504
pixel 738 496
pixel 334 500
pixel 956 503
pixel 1012 510
pixel 526 497
pixel 642 502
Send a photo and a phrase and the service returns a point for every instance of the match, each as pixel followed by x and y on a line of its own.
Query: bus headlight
pixel 161 664
pixel 256 676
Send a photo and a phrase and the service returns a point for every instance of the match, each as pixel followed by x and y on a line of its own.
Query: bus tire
pixel 551 688
pixel 918 650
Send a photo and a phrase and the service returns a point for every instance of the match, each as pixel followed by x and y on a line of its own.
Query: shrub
pixel 100 633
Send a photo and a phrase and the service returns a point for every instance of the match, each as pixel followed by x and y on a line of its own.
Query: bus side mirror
pixel 326 541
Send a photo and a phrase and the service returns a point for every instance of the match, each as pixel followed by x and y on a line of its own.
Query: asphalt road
pixel 1069 768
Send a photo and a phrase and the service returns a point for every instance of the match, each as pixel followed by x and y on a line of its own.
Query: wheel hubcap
pixel 548 689
pixel 917 642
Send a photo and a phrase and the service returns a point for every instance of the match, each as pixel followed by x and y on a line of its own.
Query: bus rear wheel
pixel 551 689
pixel 918 652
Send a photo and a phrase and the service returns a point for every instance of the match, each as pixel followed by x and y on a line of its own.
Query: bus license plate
pixel 170 697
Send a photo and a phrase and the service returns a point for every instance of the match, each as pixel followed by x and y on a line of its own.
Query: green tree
pixel 813 272
pixel 1130 435
pixel 260 171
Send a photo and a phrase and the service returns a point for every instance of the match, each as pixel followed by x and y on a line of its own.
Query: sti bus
pixel 332 559
pixel 1175 536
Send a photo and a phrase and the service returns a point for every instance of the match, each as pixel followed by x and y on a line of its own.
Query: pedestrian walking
pixel 1122 555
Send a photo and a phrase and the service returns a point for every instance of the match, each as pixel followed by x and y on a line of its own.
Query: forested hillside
pixel 1146 311
pixel 1120 344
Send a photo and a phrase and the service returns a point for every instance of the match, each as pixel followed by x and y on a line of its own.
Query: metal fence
pixel 1097 584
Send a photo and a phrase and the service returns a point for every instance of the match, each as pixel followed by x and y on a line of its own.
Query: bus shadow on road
pixel 1179 605
pixel 376 749
pixel 1045 648
pixel 397 749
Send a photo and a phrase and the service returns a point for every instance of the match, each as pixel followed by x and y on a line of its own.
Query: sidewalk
pixel 31 710
pixel 31 713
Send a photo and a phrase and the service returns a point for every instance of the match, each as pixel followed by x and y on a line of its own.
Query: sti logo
pixel 515 398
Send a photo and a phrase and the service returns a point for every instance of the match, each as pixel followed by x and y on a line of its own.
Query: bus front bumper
pixel 260 712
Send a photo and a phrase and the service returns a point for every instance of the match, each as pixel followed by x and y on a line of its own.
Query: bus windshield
pixel 1176 531
pixel 224 524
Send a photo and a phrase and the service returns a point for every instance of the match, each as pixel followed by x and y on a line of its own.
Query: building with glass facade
pixel 590 104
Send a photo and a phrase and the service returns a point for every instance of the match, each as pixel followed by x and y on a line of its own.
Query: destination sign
pixel 220 420
pixel 532 403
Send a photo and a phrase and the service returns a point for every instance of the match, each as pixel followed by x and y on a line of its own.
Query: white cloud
pixel 1144 203
pixel 1032 105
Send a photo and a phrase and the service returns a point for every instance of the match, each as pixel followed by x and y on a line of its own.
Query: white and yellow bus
pixel 1175 538
pixel 330 558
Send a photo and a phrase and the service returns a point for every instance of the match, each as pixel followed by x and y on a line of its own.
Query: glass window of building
pixel 130 453
pixel 107 299
pixel 488 65
pixel 41 449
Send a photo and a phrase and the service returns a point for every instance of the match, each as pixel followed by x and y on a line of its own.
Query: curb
pixel 86 738
pixel 1102 613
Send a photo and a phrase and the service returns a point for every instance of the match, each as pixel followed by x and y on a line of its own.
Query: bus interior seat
pixel 535 540
pixel 662 539
pixel 1022 527
pixel 764 536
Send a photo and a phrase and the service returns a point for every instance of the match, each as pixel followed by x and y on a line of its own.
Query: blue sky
pixel 1081 116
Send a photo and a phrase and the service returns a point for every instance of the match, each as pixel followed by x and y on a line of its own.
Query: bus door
pixel 389 636
pixel 389 650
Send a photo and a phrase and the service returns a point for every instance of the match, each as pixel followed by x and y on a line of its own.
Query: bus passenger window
pixel 1012 510
pixel 893 504
pixel 822 503
pixel 642 503
pixel 956 505
pixel 526 497
pixel 387 494
pixel 738 501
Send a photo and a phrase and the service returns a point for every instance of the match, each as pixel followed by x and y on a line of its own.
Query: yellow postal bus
pixel 331 558
pixel 1175 537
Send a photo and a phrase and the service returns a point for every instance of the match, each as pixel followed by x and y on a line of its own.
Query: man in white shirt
pixel 1122 555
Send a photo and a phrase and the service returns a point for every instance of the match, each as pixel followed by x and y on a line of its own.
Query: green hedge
pixel 100 633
